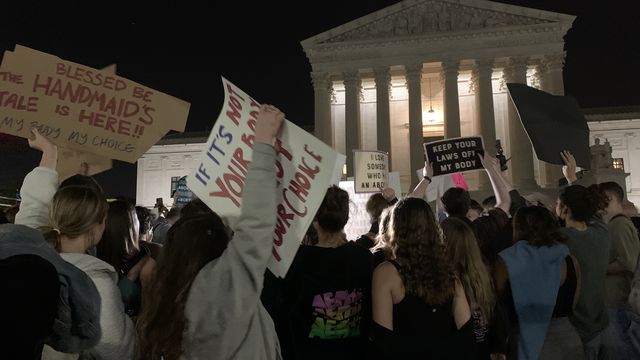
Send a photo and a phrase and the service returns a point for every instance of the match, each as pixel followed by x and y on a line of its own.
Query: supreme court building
pixel 423 70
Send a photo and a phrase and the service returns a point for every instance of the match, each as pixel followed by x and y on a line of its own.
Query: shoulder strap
pixel 395 264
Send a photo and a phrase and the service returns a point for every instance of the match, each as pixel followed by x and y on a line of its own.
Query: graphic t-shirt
pixel 327 301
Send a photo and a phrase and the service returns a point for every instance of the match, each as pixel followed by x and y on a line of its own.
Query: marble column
pixel 521 165
pixel 550 72
pixel 449 77
pixel 353 87
pixel 416 138
pixel 481 82
pixel 382 78
pixel 323 127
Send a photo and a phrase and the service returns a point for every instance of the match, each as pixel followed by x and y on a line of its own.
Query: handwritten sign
pixel 371 170
pixel 69 163
pixel 82 108
pixel 305 168
pixel 359 222
pixel 452 156
pixel 183 194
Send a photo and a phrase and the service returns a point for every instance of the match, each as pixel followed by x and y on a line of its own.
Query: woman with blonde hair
pixel 464 255
pixel 419 307
pixel 77 221
pixel 72 219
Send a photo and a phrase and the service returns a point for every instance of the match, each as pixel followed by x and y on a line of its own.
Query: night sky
pixel 182 49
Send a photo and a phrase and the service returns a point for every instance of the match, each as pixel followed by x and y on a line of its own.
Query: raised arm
pixel 569 168
pixel 227 290
pixel 421 189
pixel 39 185
pixel 501 186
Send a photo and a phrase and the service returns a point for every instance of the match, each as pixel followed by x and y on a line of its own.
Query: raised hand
pixel 569 169
pixel 490 163
pixel 268 124
pixel 40 142
pixel 428 170
pixel 84 169
pixel 49 150
pixel 388 194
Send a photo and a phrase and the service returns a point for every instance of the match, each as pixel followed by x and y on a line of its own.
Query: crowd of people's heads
pixel 478 273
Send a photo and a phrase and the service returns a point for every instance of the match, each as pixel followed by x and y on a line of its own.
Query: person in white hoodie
pixel 76 222
pixel 205 300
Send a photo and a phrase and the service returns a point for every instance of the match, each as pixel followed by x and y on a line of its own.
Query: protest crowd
pixel 87 277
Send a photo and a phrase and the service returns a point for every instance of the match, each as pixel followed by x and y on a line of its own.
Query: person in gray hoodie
pixel 206 294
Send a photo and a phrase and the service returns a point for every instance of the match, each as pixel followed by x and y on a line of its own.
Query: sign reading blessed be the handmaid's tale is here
pixel 82 108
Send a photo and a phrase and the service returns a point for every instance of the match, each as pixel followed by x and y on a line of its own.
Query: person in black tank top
pixel 419 308
pixel 465 256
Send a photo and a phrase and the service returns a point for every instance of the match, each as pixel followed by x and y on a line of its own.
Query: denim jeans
pixel 623 341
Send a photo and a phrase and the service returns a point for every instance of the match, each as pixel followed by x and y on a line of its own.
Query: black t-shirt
pixel 326 304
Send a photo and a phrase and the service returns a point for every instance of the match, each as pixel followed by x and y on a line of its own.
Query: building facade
pixel 620 126
pixel 423 70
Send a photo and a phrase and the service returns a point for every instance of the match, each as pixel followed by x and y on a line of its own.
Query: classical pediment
pixel 413 18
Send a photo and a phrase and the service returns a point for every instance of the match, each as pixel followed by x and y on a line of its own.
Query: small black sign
pixel 452 156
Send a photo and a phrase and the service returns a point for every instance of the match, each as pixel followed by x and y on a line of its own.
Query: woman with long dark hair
pixel 205 300
pixel 191 243
pixel 419 307
pixel 120 248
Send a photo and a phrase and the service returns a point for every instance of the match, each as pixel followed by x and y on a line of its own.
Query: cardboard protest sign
pixel 553 124
pixel 451 156
pixel 359 221
pixel 306 167
pixel 82 108
pixel 371 170
pixel 69 162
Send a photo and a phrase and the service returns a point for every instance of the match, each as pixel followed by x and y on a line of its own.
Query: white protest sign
pixel 359 221
pixel 437 187
pixel 371 170
pixel 305 168
pixel 394 183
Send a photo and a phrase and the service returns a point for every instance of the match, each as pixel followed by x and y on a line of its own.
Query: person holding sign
pixel 457 203
pixel 375 205
pixel 205 301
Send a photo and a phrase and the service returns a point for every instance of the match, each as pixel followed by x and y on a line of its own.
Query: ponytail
pixel 52 236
